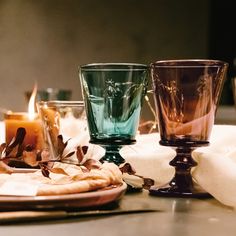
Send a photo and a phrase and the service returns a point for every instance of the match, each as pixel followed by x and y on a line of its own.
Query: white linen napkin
pixel 216 169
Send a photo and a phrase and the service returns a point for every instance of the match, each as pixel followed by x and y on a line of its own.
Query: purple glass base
pixel 182 184
pixel 172 192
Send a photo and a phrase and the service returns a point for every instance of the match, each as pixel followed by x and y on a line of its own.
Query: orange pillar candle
pixel 33 128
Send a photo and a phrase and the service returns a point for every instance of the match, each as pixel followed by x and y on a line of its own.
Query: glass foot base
pixel 173 192
pixel 116 159
pixel 112 154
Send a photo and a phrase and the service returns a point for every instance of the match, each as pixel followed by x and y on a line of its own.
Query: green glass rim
pixel 113 67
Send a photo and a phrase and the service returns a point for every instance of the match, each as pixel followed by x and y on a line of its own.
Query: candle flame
pixel 31 106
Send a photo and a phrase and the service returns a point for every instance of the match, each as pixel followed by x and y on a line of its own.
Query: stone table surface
pixel 176 216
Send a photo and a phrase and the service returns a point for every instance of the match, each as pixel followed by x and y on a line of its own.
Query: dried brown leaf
pixel 85 149
pixel 147 183
pixel 39 156
pixel 29 148
pixel 13 152
pixel 45 170
pixel 5 169
pixel 19 138
pixel 79 154
pixel 2 148
pixel 127 168
pixel 60 145
pixel 58 171
pixel 15 149
pixel 68 155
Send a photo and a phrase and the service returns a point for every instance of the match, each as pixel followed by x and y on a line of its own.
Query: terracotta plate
pixel 80 200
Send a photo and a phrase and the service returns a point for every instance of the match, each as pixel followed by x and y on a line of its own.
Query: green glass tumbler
pixel 113 94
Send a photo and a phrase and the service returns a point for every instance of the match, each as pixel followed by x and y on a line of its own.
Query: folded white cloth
pixel 216 169
pixel 149 159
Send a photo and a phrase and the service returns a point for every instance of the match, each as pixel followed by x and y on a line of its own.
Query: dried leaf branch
pixel 127 168
pixel 15 153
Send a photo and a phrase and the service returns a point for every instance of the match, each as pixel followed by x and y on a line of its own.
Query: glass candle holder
pixel 50 94
pixel 34 135
pixel 65 119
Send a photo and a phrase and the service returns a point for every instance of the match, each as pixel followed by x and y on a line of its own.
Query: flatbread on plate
pixel 72 179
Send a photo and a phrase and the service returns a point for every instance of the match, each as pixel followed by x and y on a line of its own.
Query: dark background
pixel 45 41
pixel 222 40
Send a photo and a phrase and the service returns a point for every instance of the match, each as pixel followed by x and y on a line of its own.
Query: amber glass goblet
pixel 186 94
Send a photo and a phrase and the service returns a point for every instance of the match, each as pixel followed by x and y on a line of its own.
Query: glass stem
pixel 183 162
pixel 113 155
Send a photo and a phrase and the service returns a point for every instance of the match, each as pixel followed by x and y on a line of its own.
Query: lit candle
pixel 30 121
